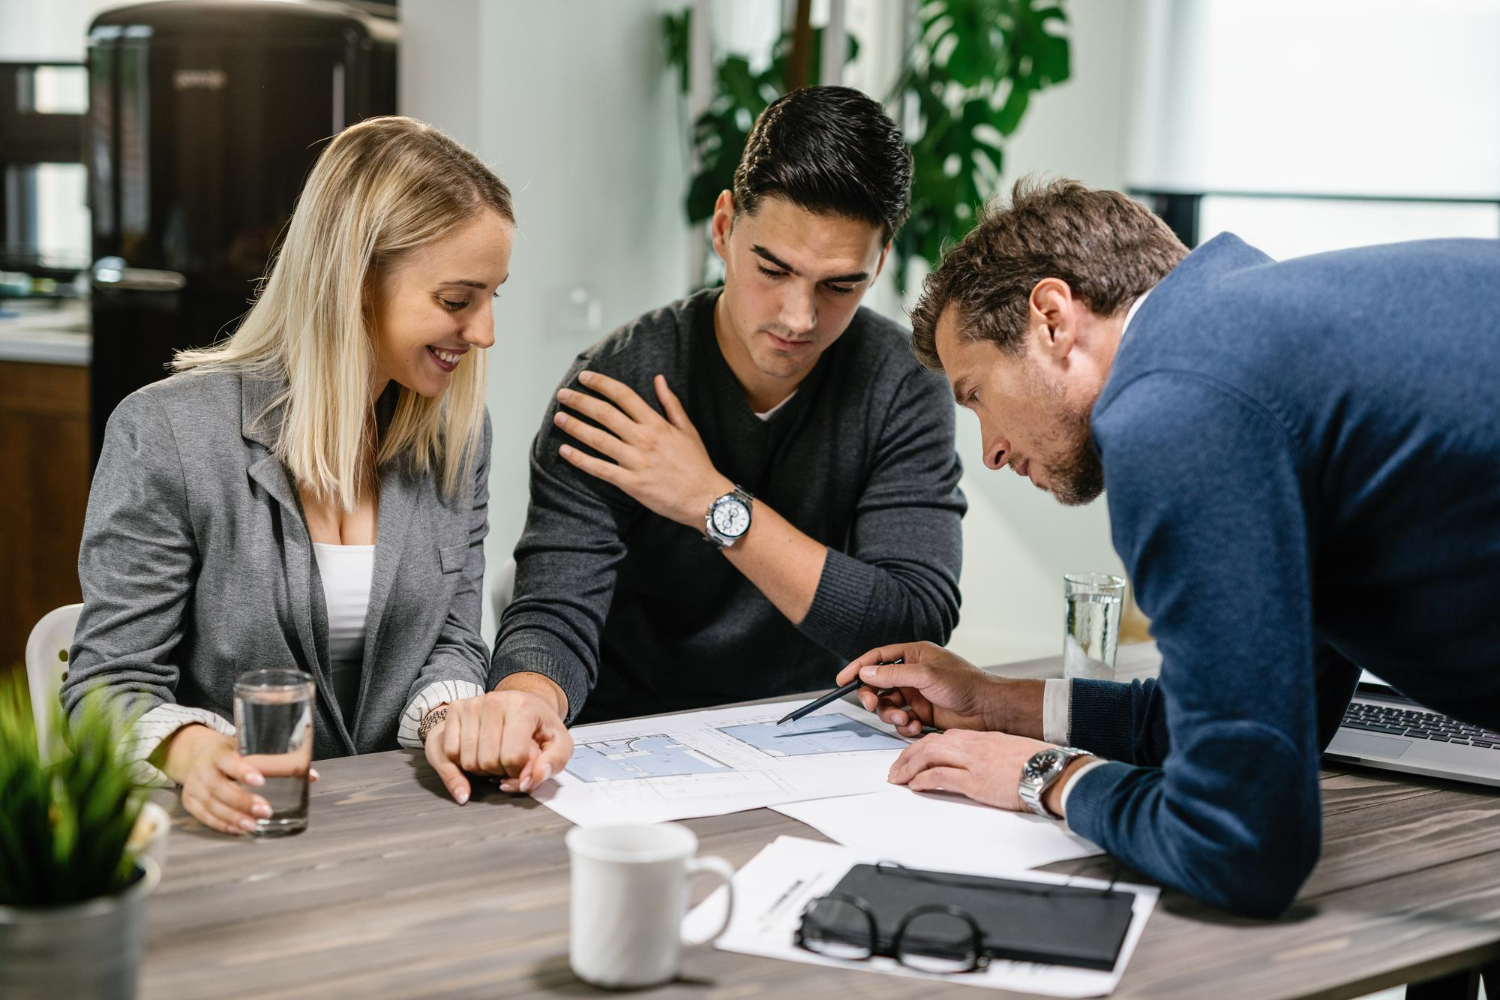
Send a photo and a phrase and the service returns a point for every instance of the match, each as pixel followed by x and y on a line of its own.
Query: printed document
pixel 719 761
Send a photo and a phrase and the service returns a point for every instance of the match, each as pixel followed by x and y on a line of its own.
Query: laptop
pixel 1385 729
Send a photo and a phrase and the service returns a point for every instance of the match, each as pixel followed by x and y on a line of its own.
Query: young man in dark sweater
pixel 1303 476
pixel 738 492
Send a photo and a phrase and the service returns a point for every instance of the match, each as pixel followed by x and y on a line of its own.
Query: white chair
pixel 47 665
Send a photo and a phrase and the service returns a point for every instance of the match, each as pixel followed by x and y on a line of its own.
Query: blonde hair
pixel 382 188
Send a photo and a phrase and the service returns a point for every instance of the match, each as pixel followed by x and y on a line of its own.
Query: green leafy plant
pixel 970 73
pixel 966 82
pixel 740 94
pixel 64 827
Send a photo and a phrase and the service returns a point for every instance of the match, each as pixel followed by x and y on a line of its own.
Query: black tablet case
pixel 1020 921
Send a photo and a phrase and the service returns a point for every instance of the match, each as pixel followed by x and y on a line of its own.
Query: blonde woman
pixel 311 492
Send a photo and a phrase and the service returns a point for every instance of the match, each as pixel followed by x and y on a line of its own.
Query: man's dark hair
pixel 1107 248
pixel 831 151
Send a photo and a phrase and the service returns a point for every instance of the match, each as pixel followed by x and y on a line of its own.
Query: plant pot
pixel 88 951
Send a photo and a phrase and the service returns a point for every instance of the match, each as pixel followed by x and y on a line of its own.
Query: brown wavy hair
pixel 1108 248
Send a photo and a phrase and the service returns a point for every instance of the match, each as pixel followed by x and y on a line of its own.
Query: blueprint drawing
pixel 654 756
pixel 718 760
pixel 817 734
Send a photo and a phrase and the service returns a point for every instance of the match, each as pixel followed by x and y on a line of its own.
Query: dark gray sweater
pixel 631 613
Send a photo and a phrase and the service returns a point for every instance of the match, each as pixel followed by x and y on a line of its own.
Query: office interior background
pixel 1301 125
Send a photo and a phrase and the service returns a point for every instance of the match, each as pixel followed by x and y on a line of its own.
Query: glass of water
pixel 273 712
pixel 1093 625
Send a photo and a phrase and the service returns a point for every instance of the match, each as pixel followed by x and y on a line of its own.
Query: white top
pixel 347 571
pixel 768 414
pixel 1135 307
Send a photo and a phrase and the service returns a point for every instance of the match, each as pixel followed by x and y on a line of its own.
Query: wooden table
pixel 396 891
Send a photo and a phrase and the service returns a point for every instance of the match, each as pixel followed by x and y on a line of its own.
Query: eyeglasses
pixel 935 937
pixel 932 938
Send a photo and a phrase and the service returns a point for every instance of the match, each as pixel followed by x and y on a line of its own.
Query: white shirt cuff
pixel 1057 711
pixel 153 728
pixel 1073 780
pixel 427 699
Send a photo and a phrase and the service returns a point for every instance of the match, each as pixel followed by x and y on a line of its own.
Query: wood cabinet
pixel 44 487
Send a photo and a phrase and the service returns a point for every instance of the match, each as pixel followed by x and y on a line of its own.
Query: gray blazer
pixel 196 566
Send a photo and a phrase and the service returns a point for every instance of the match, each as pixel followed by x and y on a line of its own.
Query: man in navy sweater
pixel 1303 471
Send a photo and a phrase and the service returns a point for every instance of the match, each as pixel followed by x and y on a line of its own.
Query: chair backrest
pixel 47 665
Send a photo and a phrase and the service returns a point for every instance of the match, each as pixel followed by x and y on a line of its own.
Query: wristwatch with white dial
pixel 1040 772
pixel 728 518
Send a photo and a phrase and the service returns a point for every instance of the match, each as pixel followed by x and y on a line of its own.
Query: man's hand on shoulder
pixel 658 461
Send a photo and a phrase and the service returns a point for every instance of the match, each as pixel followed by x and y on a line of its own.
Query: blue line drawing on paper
pixel 655 756
pixel 816 734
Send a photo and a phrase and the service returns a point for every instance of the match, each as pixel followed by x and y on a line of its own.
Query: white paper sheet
pixel 775 885
pixel 720 761
pixel 945 829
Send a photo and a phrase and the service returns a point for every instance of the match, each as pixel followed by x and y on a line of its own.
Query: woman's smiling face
pixel 437 305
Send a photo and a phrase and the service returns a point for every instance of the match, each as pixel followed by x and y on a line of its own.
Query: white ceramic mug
pixel 630 893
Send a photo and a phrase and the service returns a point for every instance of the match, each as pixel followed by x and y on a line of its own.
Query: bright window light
pixel 1294 227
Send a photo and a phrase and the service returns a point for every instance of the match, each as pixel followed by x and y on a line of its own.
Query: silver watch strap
pixel 1033 796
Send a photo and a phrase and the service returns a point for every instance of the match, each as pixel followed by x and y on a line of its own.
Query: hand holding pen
pixel 827 699
pixel 916 684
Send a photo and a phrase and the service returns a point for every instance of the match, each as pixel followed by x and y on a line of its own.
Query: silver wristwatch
pixel 1040 772
pixel 728 518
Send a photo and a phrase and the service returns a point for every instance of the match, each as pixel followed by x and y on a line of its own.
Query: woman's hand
pixel 210 769
pixel 513 733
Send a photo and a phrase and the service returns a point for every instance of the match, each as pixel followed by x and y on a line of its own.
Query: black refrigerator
pixel 204 118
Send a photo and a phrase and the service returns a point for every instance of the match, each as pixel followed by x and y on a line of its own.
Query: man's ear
pixel 721 223
pixel 1052 310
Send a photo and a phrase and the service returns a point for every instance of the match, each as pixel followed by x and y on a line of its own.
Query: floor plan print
pixel 817 734
pixel 719 760
pixel 654 756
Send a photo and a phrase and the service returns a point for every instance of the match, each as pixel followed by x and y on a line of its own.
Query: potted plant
pixel 71 891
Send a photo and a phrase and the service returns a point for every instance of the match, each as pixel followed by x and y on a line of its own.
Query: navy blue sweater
pixel 1302 464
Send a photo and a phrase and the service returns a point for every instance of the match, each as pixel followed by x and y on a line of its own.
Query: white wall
pixel 572 104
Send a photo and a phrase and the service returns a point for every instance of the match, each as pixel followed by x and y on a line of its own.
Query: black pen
pixel 831 696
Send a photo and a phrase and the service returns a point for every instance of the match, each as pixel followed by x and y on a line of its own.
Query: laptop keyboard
pixel 1415 724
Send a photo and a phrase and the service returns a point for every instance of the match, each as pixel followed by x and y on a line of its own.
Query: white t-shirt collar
pixel 1134 307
